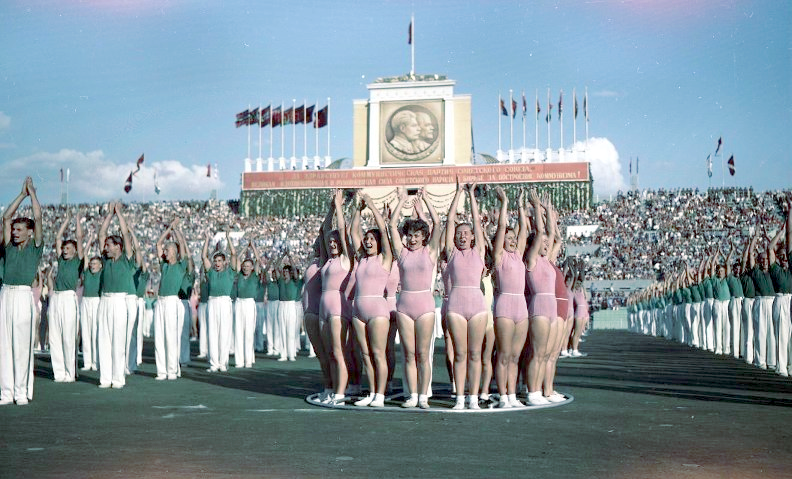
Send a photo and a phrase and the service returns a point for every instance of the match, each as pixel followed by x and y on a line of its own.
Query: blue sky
pixel 90 85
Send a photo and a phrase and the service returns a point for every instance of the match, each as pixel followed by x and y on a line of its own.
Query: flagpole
pixel 412 45
pixel 500 100
pixel 548 121
pixel 294 129
pixel 271 128
pixel 258 163
pixel 248 125
pixel 585 114
pixel 316 130
pixel 525 108
pixel 282 128
pixel 305 136
pixel 328 128
pixel 511 122
pixel 574 119
pixel 536 138
pixel 723 170
pixel 561 119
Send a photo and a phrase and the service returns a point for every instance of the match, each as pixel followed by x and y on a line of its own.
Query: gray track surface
pixel 644 407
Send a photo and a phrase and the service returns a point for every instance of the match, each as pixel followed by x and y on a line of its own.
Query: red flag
pixel 128 184
pixel 560 105
pixel 576 107
pixel 538 109
pixel 409 35
pixel 525 105
pixel 242 118
pixel 265 117
pixel 309 116
pixel 208 170
pixel 253 118
pixel 732 170
pixel 321 118
pixel 140 162
pixel 288 117
pixel 514 107
pixel 276 117
pixel 504 112
pixel 299 114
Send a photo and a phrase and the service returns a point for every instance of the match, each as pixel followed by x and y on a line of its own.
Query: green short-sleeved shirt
pixel 186 288
pixel 735 287
pixel 141 281
pixel 695 293
pixel 261 292
pixel 288 290
pixel 204 291
pixel 132 284
pixel 220 282
pixel 68 274
pixel 708 288
pixel 20 264
pixel 172 277
pixel 762 282
pixel 117 274
pixel 273 291
pixel 92 283
pixel 749 290
pixel 782 279
pixel 721 289
pixel 247 287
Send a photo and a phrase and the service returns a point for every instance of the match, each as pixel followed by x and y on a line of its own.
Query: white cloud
pixel 95 178
pixel 605 166
pixel 5 120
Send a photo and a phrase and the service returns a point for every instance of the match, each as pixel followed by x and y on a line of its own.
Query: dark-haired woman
pixel 416 254
pixel 372 321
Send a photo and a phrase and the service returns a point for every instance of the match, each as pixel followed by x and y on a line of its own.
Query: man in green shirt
pixel 782 284
pixel 62 311
pixel 23 245
pixel 220 314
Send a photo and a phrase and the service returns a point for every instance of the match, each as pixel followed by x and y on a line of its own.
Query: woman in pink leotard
pixel 540 279
pixel 581 312
pixel 467 312
pixel 335 273
pixel 311 298
pixel 391 288
pixel 371 320
pixel 417 256
pixel 511 310
pixel 558 327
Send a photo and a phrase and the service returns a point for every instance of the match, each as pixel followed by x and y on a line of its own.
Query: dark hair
pixel 116 240
pixel 416 225
pixel 29 224
pixel 71 242
pixel 287 267
pixel 219 253
pixel 378 235
pixel 95 257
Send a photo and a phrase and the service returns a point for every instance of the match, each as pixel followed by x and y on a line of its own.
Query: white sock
pixel 423 398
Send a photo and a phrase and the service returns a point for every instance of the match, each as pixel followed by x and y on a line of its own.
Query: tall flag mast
pixel 561 117
pixel 586 117
pixel 511 122
pixel 574 116
pixel 411 42
pixel 538 110
pixel 524 111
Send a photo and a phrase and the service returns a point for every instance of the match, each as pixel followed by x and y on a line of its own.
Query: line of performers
pixel 740 308
pixel 359 290
pixel 352 286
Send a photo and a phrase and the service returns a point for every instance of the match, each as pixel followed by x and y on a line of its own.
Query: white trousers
pixel 783 328
pixel 219 324
pixel 244 331
pixel 720 318
pixel 89 327
pixel 148 321
pixel 299 323
pixel 261 315
pixel 167 336
pixel 708 326
pixel 16 342
pixel 287 320
pixel 141 314
pixel 185 324
pixel 62 316
pixel 746 330
pixel 130 350
pixel 764 337
pixel 273 331
pixel 735 312
pixel 695 312
pixel 203 348
pixel 112 339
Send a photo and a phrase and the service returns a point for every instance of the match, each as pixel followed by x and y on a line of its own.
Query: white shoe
pixel 473 402
pixel 282 359
pixel 564 354
pixel 161 377
pixel 365 401
pixel 5 402
pixel 223 369
pixel 576 354
pixel 504 403
pixel 484 396
pixel 411 402
pixel 536 399
pixel 556 397
pixel 460 403
pixel 22 402
pixel 379 401
pixel 515 402
pixel 423 401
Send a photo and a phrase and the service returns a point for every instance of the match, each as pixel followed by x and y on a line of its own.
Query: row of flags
pixel 549 114
pixel 729 163
pixel 275 117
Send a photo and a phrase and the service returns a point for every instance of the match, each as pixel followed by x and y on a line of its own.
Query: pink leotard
pixel 560 293
pixel 347 305
pixel 416 271
pixel 335 279
pixel 371 279
pixel 446 289
pixel 392 286
pixel 570 313
pixel 510 276
pixel 541 284
pixel 313 289
pixel 581 305
pixel 464 270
